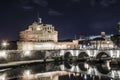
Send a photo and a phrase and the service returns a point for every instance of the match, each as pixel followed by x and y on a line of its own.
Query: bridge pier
pixel 107 64
pixel 74 58
pixel 115 61
pixel 62 57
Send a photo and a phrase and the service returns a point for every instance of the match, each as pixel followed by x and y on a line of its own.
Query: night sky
pixel 70 17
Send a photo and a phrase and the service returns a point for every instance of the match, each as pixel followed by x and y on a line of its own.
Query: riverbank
pixel 17 63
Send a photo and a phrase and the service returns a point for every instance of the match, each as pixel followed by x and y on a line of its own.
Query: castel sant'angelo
pixel 41 36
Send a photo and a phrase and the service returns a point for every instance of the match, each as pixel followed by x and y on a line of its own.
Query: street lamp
pixel 27 53
pixel 3 54
pixel 27 75
pixel 4 44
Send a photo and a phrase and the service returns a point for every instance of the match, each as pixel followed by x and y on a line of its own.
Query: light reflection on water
pixel 61 71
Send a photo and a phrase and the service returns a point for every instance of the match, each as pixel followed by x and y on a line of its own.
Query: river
pixel 62 71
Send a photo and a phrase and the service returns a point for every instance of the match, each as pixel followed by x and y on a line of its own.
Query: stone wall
pixel 17 55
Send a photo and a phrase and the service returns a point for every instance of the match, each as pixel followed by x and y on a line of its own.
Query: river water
pixel 62 71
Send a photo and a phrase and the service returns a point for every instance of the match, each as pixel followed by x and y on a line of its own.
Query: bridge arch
pixel 102 55
pixel 67 55
pixel 67 65
pixel 82 55
pixel 83 66
pixel 103 69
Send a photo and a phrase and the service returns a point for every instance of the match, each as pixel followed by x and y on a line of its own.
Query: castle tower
pixel 37 33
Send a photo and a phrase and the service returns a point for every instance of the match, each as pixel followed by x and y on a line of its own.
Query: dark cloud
pixel 105 3
pixel 92 2
pixel 30 4
pixel 42 3
pixel 27 7
pixel 25 4
pixel 54 13
pixel 72 2
pixel 100 25
pixel 108 2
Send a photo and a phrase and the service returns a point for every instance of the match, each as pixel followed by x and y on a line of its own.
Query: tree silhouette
pixel 118 26
pixel 116 40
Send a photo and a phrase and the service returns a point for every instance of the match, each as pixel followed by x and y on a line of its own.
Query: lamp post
pixel 4 44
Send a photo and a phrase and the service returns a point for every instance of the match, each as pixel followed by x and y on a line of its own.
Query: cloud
pixel 107 3
pixel 72 2
pixel 104 3
pixel 27 7
pixel 54 13
pixel 92 2
pixel 42 3
pixel 100 25
pixel 30 4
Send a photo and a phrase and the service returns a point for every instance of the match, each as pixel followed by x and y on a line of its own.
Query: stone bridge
pixel 90 53
pixel 18 55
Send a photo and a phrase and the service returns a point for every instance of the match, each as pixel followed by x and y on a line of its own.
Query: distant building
pixel 41 36
pixel 102 41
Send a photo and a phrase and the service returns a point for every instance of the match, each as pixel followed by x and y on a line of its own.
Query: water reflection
pixel 61 71
pixel 3 76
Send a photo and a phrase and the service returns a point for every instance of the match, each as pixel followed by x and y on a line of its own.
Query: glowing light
pixel 108 42
pixel 84 46
pixel 27 73
pixel 3 54
pixel 4 43
pixel 3 77
pixel 39 28
pixel 86 65
pixel 76 74
pixel 27 53
pixel 85 76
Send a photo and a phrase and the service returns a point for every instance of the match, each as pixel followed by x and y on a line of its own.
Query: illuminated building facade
pixel 37 36
pixel 41 36
pixel 102 41
pixel 38 32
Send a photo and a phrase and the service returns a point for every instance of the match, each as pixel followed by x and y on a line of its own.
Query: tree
pixel 116 40
pixel 118 26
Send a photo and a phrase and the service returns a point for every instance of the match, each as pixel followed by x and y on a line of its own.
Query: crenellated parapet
pixel 38 32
